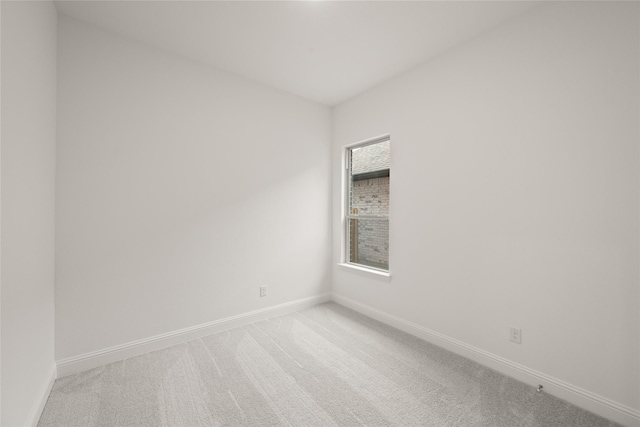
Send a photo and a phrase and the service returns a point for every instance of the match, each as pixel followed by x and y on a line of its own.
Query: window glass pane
pixel 369 242
pixel 370 196
pixel 369 180
pixel 371 158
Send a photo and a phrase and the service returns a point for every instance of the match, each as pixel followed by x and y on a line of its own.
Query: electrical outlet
pixel 515 335
pixel 263 291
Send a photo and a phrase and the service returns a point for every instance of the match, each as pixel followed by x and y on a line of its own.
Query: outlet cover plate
pixel 515 335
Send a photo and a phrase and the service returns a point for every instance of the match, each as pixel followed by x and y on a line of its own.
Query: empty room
pixel 320 213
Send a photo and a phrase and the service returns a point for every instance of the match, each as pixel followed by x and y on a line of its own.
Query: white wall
pixel 180 190
pixel 515 196
pixel 0 213
pixel 27 177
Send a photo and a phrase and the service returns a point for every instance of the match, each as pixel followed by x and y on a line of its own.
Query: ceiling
pixel 325 51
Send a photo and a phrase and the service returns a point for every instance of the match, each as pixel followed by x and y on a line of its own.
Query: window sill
pixel 368 272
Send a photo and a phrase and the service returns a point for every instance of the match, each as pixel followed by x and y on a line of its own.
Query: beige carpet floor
pixel 324 366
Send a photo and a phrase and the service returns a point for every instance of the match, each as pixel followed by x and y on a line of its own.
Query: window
pixel 366 215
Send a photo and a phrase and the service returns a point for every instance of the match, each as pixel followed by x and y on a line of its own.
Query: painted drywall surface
pixel 28 174
pixel 0 213
pixel 180 190
pixel 514 194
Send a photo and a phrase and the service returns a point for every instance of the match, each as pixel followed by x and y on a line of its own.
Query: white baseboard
pixel 583 398
pixel 38 406
pixel 102 357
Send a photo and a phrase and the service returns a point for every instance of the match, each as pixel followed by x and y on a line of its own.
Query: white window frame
pixel 347 215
